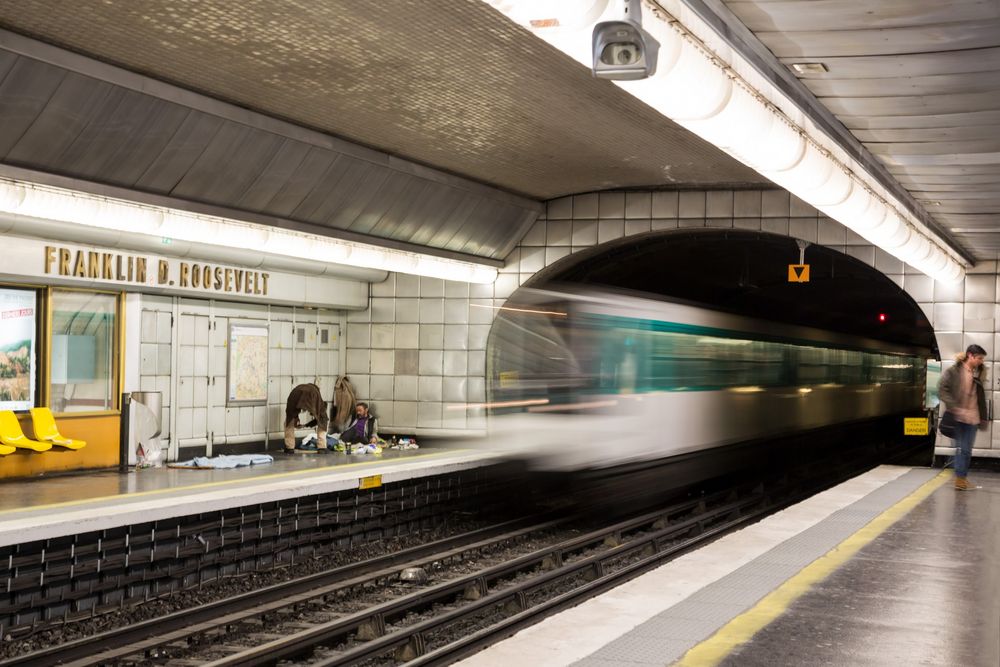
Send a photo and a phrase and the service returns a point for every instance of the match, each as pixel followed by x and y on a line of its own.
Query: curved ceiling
pixel 917 82
pixel 451 84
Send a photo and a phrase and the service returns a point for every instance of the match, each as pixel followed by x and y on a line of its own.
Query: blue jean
pixel 965 435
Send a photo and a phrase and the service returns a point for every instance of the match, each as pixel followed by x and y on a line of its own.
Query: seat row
pixel 46 433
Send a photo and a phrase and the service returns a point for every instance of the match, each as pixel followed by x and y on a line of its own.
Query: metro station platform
pixel 39 509
pixel 892 567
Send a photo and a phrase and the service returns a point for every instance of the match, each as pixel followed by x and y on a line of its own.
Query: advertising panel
pixel 17 349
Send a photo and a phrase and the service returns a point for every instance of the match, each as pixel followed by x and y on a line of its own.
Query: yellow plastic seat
pixel 12 435
pixel 6 449
pixel 46 430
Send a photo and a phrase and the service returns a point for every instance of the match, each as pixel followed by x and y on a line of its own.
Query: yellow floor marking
pixel 226 482
pixel 739 630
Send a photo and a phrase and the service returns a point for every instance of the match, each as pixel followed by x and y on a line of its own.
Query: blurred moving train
pixel 585 380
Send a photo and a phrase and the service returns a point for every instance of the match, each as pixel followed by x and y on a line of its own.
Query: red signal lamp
pixel 882 317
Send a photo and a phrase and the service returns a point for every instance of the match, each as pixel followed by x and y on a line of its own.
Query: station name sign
pixel 137 269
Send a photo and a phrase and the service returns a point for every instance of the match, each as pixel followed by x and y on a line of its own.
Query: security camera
pixel 622 49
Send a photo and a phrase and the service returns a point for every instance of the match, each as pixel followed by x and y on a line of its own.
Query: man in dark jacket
pixel 363 427
pixel 305 398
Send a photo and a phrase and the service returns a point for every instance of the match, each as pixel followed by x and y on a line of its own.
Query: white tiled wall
pixel 418 354
pixel 960 314
pixel 191 336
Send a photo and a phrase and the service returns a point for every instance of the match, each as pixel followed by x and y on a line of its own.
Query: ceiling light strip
pixel 48 203
pixel 696 88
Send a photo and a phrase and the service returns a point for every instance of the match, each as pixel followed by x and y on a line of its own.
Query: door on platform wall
pixel 157 338
pixel 304 347
pixel 194 334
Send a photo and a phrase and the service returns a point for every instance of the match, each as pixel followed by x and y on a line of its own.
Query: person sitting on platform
pixel 305 398
pixel 363 427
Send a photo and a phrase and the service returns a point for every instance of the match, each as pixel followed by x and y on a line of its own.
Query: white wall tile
pixel 585 207
pixel 979 317
pixel 559 209
pixel 381 387
pixel 535 235
pixel 803 228
pixel 774 226
pixel 407 362
pixel 611 205
pixel 919 286
pixel 455 362
pixel 477 336
pixel 405 413
pixel 775 204
pixel 431 336
pixel 383 310
pixel 456 311
pixel 385 288
pixel 477 363
pixel 431 287
pixel 830 232
pixel 383 361
pixel 981 288
pixel 407 285
pixel 609 230
pixel 949 292
pixel 431 362
pixel 691 204
pixel 405 388
pixel 407 336
pixel 638 205
pixel 633 227
pixel 532 260
pixel 428 389
pixel 431 311
pixel 559 232
pixel 664 205
pixel 456 289
pixel 429 415
pixel 456 336
pixel 384 336
pixel 553 255
pixel 358 361
pixel 800 209
pixel 584 232
pixel 747 204
pixel 453 389
pixel 719 204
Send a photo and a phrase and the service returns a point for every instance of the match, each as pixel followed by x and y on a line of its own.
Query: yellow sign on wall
pixel 798 273
pixel 915 426
pixel 372 482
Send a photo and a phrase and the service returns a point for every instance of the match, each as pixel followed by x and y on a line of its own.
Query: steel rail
pixel 159 630
pixel 373 620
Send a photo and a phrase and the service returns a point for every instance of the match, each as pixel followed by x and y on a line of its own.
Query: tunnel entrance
pixel 746 273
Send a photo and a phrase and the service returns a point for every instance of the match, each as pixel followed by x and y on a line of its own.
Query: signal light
pixel 882 317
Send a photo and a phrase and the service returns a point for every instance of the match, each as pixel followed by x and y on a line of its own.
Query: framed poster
pixel 247 376
pixel 17 348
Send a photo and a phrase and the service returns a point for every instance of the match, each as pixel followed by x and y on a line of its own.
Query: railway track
pixel 481 586
pixel 509 574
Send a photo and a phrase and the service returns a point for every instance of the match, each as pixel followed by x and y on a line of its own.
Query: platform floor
pixel 894 567
pixel 48 507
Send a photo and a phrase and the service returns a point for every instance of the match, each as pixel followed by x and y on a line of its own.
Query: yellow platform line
pixel 224 482
pixel 741 629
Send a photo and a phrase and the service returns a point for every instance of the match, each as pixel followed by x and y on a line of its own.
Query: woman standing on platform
pixel 961 391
